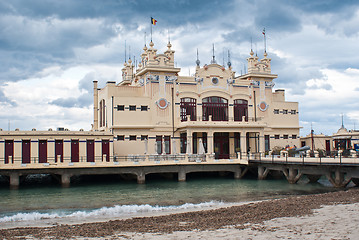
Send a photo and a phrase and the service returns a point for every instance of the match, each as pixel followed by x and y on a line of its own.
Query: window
pixel 144 108
pixel 240 110
pixel 188 107
pixel 293 112
pixel 216 107
pixel 143 137
pixel 167 144
pixel 132 107
pixel 285 136
pixel 285 111
pixel 276 111
pixel 120 137
pixel 132 137
pixel 102 113
pixel 183 142
pixel 294 136
pixel 276 136
pixel 120 107
pixel 159 144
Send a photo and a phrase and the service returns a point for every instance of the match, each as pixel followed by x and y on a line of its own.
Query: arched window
pixel 240 110
pixel 188 107
pixel 217 107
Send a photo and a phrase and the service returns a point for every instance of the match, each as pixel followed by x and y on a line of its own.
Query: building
pixel 55 147
pixel 156 111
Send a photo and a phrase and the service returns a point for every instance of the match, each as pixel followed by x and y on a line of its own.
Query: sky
pixel 51 51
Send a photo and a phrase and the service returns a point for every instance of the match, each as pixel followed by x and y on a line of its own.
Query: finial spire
pixel 197 61
pixel 125 52
pixel 342 120
pixel 229 64
pixel 265 42
pixel 145 39
pixel 213 57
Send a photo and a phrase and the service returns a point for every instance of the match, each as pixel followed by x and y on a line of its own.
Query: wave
pixel 115 211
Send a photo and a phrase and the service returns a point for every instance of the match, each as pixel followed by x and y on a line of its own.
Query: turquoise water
pixel 120 197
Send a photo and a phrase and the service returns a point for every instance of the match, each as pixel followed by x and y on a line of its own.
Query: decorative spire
pixel 229 64
pixel 213 57
pixel 342 120
pixel 197 61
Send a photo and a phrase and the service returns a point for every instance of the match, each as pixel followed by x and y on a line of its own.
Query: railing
pixel 111 160
pixel 333 158
pixel 230 119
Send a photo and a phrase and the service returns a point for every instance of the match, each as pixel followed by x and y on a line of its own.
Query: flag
pixel 264 31
pixel 153 21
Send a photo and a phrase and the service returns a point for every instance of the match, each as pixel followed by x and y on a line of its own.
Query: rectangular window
pixel 120 137
pixel 285 136
pixel 132 107
pixel 285 111
pixel 132 137
pixel 293 112
pixel 276 111
pixel 143 137
pixel 167 144
pixel 276 136
pixel 144 108
pixel 120 107
pixel 294 136
pixel 159 144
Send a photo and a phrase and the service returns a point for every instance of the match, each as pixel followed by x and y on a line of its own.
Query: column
pixel 243 145
pixel 189 142
pixel 210 141
pixel 231 144
pixel 51 150
pixel 261 142
pixel 17 151
pixel 67 151
pixel 230 110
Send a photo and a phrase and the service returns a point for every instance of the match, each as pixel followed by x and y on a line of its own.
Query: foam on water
pixel 116 211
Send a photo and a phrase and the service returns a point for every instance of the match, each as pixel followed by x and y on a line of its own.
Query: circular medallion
pixel 263 106
pixel 162 103
pixel 215 80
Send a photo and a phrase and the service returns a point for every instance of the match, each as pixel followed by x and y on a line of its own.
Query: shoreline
pixel 237 217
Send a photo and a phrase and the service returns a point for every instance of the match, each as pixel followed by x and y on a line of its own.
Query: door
pixel 42 151
pixel 221 145
pixel 59 151
pixel 90 150
pixel 26 151
pixel 327 147
pixel 9 151
pixel 74 150
pixel 106 149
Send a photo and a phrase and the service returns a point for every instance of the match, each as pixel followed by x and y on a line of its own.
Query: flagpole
pixel 151 29
pixel 265 42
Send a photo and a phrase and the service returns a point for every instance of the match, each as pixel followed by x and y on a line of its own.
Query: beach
pixel 332 215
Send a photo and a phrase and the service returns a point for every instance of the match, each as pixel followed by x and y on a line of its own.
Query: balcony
pixel 199 121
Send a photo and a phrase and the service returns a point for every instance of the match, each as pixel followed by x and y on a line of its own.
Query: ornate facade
pixel 153 110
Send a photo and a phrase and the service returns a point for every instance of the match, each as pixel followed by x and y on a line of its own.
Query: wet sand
pixel 301 217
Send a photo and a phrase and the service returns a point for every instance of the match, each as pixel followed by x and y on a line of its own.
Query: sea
pixel 40 201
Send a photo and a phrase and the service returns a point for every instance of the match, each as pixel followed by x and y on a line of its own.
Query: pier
pixel 339 170
pixel 137 165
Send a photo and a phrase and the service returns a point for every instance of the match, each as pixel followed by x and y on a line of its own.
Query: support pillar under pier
pixel 181 176
pixel 262 172
pixel 141 178
pixel 339 180
pixel 65 180
pixel 14 180
pixel 292 175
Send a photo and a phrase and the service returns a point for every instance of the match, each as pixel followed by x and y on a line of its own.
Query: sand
pixel 322 216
